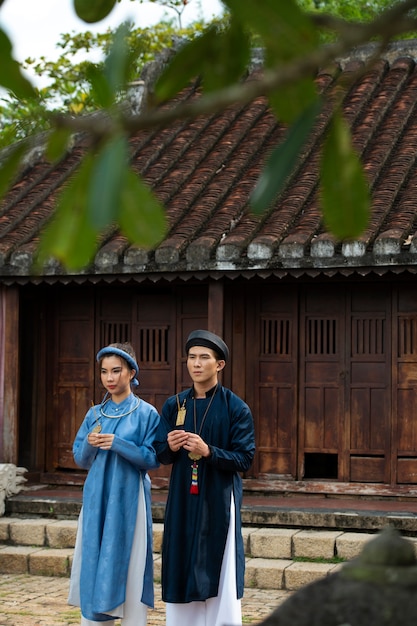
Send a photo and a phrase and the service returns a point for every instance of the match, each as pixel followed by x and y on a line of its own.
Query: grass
pixel 319 559
pixel 71 616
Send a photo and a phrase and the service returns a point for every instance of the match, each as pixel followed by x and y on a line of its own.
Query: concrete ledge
pixel 252 515
pixel 328 519
pixel 299 574
pixel 349 545
pixel 268 543
pixel 315 544
pixel 265 573
pixel 45 547
pixel 261 573
pixel 271 543
pixel 15 560
pixel 50 562
pixel 27 532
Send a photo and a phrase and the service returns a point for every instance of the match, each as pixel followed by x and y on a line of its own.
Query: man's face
pixel 203 365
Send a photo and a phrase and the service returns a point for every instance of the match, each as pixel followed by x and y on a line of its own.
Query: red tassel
pixel 194 479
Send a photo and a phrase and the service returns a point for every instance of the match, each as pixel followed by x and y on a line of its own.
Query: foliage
pixel 355 11
pixel 68 88
pixel 291 35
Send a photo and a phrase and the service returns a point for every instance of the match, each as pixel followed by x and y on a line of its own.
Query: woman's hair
pixel 126 347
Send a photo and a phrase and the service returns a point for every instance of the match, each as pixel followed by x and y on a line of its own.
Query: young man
pixel 207 433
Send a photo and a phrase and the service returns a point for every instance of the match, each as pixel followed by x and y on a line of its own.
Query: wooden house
pixel 322 334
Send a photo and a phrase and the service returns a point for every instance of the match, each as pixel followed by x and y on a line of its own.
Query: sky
pixel 34 26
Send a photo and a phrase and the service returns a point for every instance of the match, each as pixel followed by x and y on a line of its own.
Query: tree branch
pixel 391 23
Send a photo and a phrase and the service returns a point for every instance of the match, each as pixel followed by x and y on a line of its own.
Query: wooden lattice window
pixel 153 345
pixel 407 336
pixel 114 332
pixel 276 336
pixel 368 336
pixel 321 336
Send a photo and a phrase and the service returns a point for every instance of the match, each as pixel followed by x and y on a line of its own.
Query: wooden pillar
pixel 216 308
pixel 9 374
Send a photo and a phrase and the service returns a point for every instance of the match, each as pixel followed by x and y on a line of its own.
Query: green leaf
pixel 141 217
pixel 290 100
pixel 345 194
pixel 10 166
pixel 116 64
pixel 283 159
pixel 58 144
pixel 219 57
pixel 107 180
pixel 286 31
pixel 185 65
pixel 70 237
pixel 11 77
pixel 91 11
pixel 227 57
pixel 102 93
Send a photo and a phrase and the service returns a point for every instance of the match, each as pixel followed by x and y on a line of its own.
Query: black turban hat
pixel 208 340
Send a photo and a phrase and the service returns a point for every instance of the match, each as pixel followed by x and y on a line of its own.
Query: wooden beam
pixel 216 308
pixel 10 342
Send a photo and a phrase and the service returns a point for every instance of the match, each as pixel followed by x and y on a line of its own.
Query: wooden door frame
pixel 9 334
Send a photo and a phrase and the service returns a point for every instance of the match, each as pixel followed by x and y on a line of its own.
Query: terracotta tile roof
pixel 204 171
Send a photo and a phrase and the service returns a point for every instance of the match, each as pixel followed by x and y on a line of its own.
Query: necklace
pixel 192 455
pixel 97 427
pixel 121 414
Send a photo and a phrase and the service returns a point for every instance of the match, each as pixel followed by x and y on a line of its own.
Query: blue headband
pixel 130 360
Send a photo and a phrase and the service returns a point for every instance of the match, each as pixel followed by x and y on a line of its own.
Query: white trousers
pixel 223 610
pixel 133 612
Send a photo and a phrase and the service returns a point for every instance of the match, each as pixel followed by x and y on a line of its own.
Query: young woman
pixel 112 572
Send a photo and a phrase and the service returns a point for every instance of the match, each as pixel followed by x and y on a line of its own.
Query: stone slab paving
pixel 42 601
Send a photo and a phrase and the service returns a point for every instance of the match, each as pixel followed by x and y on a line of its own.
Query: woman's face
pixel 116 376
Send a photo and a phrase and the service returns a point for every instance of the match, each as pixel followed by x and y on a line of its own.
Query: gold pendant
pixel 194 457
pixel 97 429
pixel 181 416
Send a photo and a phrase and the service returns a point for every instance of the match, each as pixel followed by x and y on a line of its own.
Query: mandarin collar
pixel 209 393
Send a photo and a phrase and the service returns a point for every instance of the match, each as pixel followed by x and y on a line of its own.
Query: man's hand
pixel 176 439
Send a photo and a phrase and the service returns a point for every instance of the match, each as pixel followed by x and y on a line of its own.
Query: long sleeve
pixel 84 453
pixel 240 450
pixel 165 455
pixel 142 456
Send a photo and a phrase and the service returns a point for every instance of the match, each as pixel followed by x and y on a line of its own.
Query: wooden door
pixel 71 372
pixel 368 385
pixel 404 426
pixel 322 382
pixel 272 348
pixel 322 379
pixel 345 383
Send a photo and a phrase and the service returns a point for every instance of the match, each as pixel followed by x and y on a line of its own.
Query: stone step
pixel 276 558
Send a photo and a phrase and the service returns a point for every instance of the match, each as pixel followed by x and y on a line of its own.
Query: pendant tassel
pixel 194 478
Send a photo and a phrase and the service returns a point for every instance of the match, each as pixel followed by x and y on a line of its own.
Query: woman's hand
pixel 100 440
